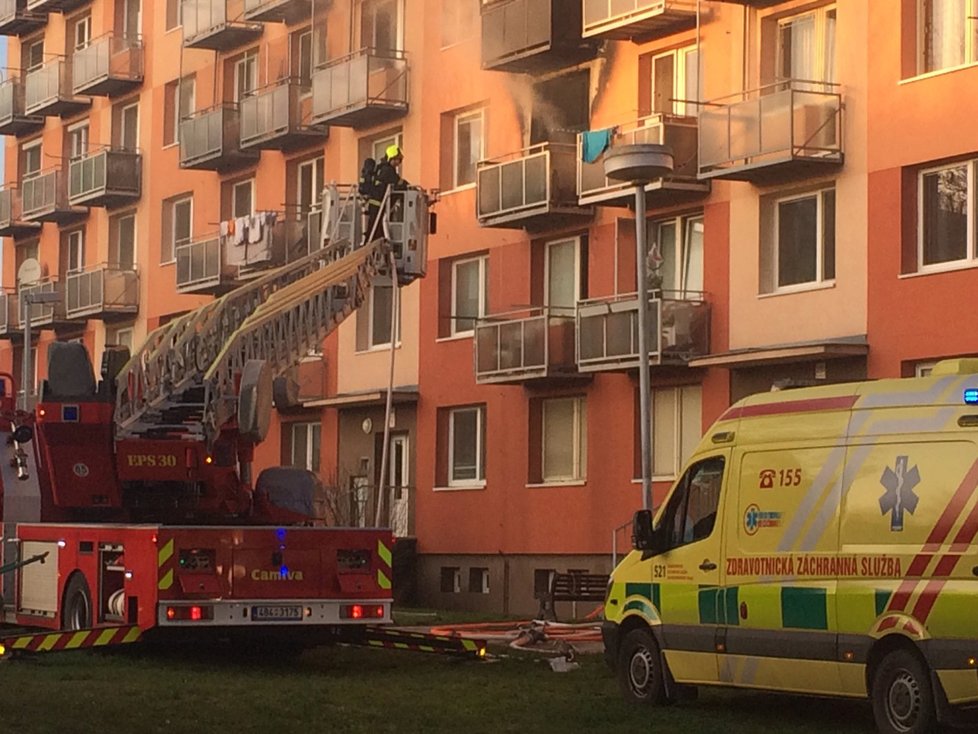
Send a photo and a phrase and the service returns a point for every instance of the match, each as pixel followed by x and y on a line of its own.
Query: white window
pixel 380 145
pixel 180 216
pixel 564 439
pixel 380 314
pixel 459 21
pixel 470 288
pixel 305 445
pixel 479 580
pixel 243 198
pixel 32 53
pixel 469 147
pixel 806 46
pixel 947 215
pixel 76 251
pixel 31 159
pixel 128 134
pixel 121 337
pixel 803 251
pixel 947 34
pixel 311 177
pixel 465 447
pixel 174 14
pixel 122 247
pixel 562 277
pixel 923 369
pixel 451 579
pixel 380 24
pixel 83 32
pixel 132 18
pixel 245 75
pixel 674 82
pixel 676 260
pixel 78 140
pixel 677 424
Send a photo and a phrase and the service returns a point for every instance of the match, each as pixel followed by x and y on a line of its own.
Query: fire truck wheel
pixel 641 674
pixel 903 700
pixel 76 611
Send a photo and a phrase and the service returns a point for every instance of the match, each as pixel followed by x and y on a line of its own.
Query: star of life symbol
pixel 899 495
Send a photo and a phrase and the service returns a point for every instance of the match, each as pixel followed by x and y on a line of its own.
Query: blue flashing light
pixel 284 571
pixel 971 396
pixel 69 413
pixel 280 534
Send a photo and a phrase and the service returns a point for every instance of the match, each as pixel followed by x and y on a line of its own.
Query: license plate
pixel 276 613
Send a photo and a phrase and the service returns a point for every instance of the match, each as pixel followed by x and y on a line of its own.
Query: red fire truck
pixel 128 504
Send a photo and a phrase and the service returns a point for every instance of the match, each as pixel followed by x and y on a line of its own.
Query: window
pixel 923 369
pixel 470 287
pixel 459 21
pixel 245 75
pixel 307 50
pixel 677 420
pixel 479 580
pixel 243 198
pixel 374 319
pixel 80 32
pixel 542 578
pixel 125 126
pixel 451 579
pixel 799 249
pixel 23 252
pixel 179 102
pixel 691 511
pixel 77 143
pixel 466 457
pixel 806 46
pixel 947 34
pixel 674 82
pixel 178 217
pixel 947 214
pixel 311 176
pixel 561 104
pixel 32 54
pixel 380 24
pixel 30 159
pixel 121 337
pixel 468 147
pixel 562 277
pixel 305 445
pixel 74 252
pixel 174 16
pixel 564 439
pixel 379 145
pixel 676 260
pixel 122 241
pixel 131 20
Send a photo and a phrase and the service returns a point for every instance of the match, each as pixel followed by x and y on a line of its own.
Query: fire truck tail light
pixel 362 611
pixel 190 614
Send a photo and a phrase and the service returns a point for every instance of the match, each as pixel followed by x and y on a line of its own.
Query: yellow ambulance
pixel 820 541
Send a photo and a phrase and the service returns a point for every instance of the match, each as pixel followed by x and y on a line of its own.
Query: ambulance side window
pixel 692 510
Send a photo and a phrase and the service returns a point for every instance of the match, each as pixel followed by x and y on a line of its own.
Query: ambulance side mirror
pixel 643 534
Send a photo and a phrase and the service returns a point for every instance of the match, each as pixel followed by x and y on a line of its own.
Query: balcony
pixel 108 66
pixel 682 185
pixel 13 119
pixel 534 189
pixel 48 91
pixel 275 11
pixel 44 198
pixel 17 20
pixel 366 88
pixel 102 292
pixel 782 131
pixel 217 24
pixel 533 36
pixel 209 140
pixel 43 315
pixel 637 19
pixel 12 222
pixel 607 330
pixel 277 117
pixel 216 264
pixel 54 6
pixel 532 344
pixel 106 178
pixel 8 313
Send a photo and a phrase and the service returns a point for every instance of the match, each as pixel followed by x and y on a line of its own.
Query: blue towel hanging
pixel 594 143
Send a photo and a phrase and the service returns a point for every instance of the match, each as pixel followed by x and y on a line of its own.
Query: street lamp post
pixel 639 164
pixel 28 299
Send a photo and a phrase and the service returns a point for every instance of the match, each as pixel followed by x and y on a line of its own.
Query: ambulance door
pixel 687 572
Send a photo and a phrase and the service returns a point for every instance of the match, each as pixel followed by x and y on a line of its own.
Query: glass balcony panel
pixel 366 87
pixel 108 65
pixel 512 179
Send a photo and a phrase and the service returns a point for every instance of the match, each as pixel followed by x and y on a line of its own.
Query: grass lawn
pixel 358 690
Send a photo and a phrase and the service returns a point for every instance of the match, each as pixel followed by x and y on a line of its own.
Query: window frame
pixel 971 244
pixel 78 235
pixel 315 168
pixel 250 183
pixel 577 273
pixel 247 62
pixel 820 280
pixel 115 238
pixel 681 451
pixel 398 20
pixel 680 80
pixel 27 149
pixel 467 118
pixel 684 227
pixel 78 134
pixel 970 39
pixel 579 441
pixel 483 273
pixel 821 61
pixel 480 462
pixel 112 336
pixel 312 449
pixel 172 205
pixel 668 516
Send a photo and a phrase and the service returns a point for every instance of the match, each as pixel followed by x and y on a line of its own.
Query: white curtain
pixel 944 33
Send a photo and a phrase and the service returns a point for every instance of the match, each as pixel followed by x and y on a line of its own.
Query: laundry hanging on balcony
pixel 594 143
pixel 248 240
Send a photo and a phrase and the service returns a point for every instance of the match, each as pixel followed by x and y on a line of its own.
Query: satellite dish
pixel 29 271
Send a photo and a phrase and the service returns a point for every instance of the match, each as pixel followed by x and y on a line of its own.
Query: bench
pixel 573 587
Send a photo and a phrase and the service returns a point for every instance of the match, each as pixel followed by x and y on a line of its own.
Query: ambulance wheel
pixel 903 701
pixel 640 671
pixel 76 611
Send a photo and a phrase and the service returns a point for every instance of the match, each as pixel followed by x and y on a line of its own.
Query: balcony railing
pixel 679 133
pixel 533 35
pixel 607 330
pixel 48 91
pixel 54 6
pixel 525 345
pixel 8 312
pixel 42 314
pixel 217 263
pixel 45 198
pixel 628 19
pixel 278 117
pixel 365 88
pixel 12 222
pixel 13 119
pixel 108 66
pixel 209 140
pixel 534 188
pixel 791 128
pixel 103 291
pixel 105 178
pixel 289 11
pixel 17 20
pixel 217 24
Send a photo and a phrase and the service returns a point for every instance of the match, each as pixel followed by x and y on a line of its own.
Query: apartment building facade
pixel 819 226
